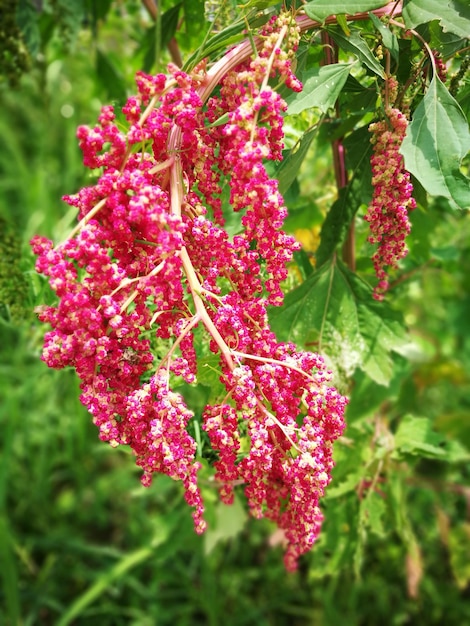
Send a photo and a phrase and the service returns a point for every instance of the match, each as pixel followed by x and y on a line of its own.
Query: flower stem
pixel 176 177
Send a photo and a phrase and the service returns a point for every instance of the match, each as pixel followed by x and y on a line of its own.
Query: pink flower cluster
pixel 440 64
pixel 392 197
pixel 150 267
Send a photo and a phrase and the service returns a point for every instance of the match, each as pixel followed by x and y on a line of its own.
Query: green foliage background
pixel 81 542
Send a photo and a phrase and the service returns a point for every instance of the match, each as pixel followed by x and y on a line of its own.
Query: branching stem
pixel 194 321
pixel 261 359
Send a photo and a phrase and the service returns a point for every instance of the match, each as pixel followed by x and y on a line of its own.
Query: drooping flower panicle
pixel 150 282
pixel 392 198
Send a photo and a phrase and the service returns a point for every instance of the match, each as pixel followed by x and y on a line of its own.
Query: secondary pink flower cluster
pixel 150 267
pixel 441 67
pixel 392 197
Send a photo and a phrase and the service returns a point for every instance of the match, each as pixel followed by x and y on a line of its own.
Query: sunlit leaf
pixel 148 46
pixel 459 549
pixel 27 19
pixel 389 39
pixel 229 522
pixel 194 17
pixel 452 14
pixel 98 9
pixel 110 77
pixel 356 192
pixel 333 312
pixel 372 511
pixel 436 141
pixel 258 4
pixel 357 46
pixel 289 167
pixel 321 9
pixel 321 88
pixel 415 436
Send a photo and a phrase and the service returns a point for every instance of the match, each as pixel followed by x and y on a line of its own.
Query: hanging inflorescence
pixel 150 283
pixel 392 198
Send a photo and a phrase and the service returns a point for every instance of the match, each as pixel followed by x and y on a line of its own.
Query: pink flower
pixel 150 282
pixel 388 212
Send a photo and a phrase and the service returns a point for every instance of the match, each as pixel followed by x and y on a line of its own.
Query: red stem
pixel 339 157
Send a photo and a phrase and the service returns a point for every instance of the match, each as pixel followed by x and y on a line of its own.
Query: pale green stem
pixel 156 270
pixel 278 423
pixel 196 289
pixel 195 286
pixel 261 359
pixel 282 34
pixel 191 324
pixel 125 282
pixel 84 221
pixel 269 67
pixel 161 166
pixel 176 175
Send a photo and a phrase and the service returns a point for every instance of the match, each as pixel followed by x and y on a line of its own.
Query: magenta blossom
pixel 150 282
pixel 388 212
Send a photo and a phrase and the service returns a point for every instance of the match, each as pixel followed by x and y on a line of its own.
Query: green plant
pixel 396 507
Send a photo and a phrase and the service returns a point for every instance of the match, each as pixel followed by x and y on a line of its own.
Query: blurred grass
pixel 81 542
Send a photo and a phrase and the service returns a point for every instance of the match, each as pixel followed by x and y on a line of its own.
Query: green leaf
pixel 105 580
pixel 342 22
pixel 455 424
pixel 287 171
pixel 259 4
pixel 208 370
pixel 194 17
pixel 223 119
pixel 367 396
pixel 229 36
pixel 357 46
pixel 148 46
pixel 335 545
pixel 9 573
pixel 334 311
pixel 303 263
pixel 110 77
pixel 170 23
pixel 70 16
pixel 230 521
pixel 322 86
pixel 459 549
pixel 27 20
pixel 358 191
pixel 452 14
pixel 457 452
pixel 98 9
pixel 346 486
pixel 390 41
pixel 447 44
pixel 415 436
pixel 436 141
pixel 321 9
pixel 371 512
